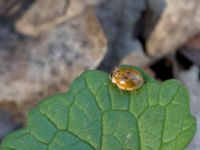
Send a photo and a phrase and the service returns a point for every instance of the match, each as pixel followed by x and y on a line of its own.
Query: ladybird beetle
pixel 127 79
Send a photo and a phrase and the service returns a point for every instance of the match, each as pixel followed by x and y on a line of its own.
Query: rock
pixel 178 23
pixel 119 19
pixel 191 50
pixel 11 8
pixel 192 54
pixel 46 14
pixel 132 53
pixel 194 145
pixel 33 69
pixel 194 42
pixel 191 79
pixel 7 37
pixel 7 123
pixel 152 13
pixel 119 16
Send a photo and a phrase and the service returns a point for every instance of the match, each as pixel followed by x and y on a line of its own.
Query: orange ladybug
pixel 128 79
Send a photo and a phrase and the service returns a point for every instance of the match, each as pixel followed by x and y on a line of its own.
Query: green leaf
pixel 95 115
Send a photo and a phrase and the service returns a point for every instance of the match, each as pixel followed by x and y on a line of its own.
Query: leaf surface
pixel 95 115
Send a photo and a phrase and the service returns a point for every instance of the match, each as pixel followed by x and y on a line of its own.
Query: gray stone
pixel 153 11
pixel 119 19
pixel 119 16
pixel 11 8
pixel 179 22
pixel 7 123
pixel 194 145
pixel 132 53
pixel 191 80
pixel 35 68
pixel 7 37
pixel 44 15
